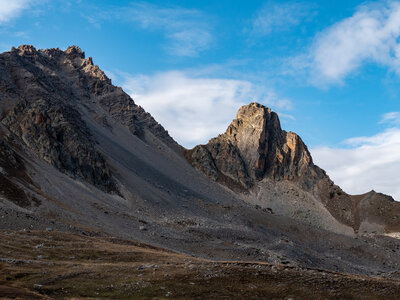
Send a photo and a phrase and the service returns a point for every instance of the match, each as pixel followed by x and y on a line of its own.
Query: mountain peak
pixel 252 110
pixel 27 48
pixel 254 105
pixel 52 98
pixel 253 147
pixel 254 119
pixel 256 157
pixel 75 51
pixel 255 115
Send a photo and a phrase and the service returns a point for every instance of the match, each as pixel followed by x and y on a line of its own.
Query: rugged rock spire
pixel 255 154
pixel 253 147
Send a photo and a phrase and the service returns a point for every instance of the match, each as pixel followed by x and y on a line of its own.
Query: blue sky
pixel 331 69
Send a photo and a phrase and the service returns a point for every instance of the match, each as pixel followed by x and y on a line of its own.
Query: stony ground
pixel 49 264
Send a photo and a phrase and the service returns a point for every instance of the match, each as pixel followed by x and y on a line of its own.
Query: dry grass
pixel 42 265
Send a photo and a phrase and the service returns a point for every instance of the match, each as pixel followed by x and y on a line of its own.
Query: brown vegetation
pixel 47 264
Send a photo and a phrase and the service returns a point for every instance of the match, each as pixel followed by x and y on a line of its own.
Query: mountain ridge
pixel 77 154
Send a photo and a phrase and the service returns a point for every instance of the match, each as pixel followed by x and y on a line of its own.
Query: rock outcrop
pixel 12 167
pixel 254 151
pixel 253 147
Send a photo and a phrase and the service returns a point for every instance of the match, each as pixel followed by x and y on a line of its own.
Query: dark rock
pixel 43 92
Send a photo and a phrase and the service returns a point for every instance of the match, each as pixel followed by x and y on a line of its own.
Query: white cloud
pixel 392 118
pixel 370 35
pixel 189 42
pixel 280 16
pixel 195 109
pixel 187 30
pixel 370 163
pixel 12 9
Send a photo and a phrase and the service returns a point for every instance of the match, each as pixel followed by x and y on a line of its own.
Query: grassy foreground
pixel 47 264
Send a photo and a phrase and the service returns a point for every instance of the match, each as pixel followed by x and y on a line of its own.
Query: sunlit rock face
pixel 254 147
pixel 275 169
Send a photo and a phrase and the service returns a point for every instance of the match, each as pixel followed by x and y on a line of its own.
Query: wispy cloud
pixel 187 30
pixel 189 42
pixel 371 162
pixel 391 118
pixel 194 109
pixel 275 17
pixel 370 35
pixel 12 9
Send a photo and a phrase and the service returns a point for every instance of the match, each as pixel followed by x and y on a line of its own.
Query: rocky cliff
pixel 255 157
pixel 254 147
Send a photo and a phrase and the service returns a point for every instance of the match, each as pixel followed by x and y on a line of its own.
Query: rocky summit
pixel 255 147
pixel 79 158
pixel 274 169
